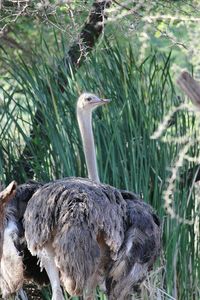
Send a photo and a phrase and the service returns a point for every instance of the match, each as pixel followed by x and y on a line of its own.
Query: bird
pixel 85 232
pixel 9 233
pixel 17 264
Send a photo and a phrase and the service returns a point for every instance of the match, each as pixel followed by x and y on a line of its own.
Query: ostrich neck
pixel 85 126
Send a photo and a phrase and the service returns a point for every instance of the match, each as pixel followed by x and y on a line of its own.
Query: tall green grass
pixel 127 158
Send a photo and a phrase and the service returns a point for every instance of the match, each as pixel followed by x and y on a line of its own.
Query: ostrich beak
pixel 99 101
pixel 105 101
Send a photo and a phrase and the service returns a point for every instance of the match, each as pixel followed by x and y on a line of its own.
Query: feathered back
pixel 71 213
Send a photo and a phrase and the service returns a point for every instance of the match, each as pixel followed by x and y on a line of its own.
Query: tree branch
pixel 90 33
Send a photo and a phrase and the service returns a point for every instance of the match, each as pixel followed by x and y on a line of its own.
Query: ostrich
pixel 9 258
pixel 17 264
pixel 90 232
pixel 8 233
pixel 84 232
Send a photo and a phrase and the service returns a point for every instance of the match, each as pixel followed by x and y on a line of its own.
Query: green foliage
pixel 127 158
pixel 162 24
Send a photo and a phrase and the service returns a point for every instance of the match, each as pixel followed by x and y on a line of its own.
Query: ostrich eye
pixel 89 99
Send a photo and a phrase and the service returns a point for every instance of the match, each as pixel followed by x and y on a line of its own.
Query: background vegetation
pixel 135 63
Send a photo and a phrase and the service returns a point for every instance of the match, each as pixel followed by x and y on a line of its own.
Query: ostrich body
pixel 87 243
pixel 17 264
pixel 86 233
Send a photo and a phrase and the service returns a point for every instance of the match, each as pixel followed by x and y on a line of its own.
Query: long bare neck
pixel 85 126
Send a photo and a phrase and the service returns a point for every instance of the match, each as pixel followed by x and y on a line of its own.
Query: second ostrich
pixel 85 232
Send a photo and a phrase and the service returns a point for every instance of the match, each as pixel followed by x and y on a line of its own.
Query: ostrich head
pixel 88 102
